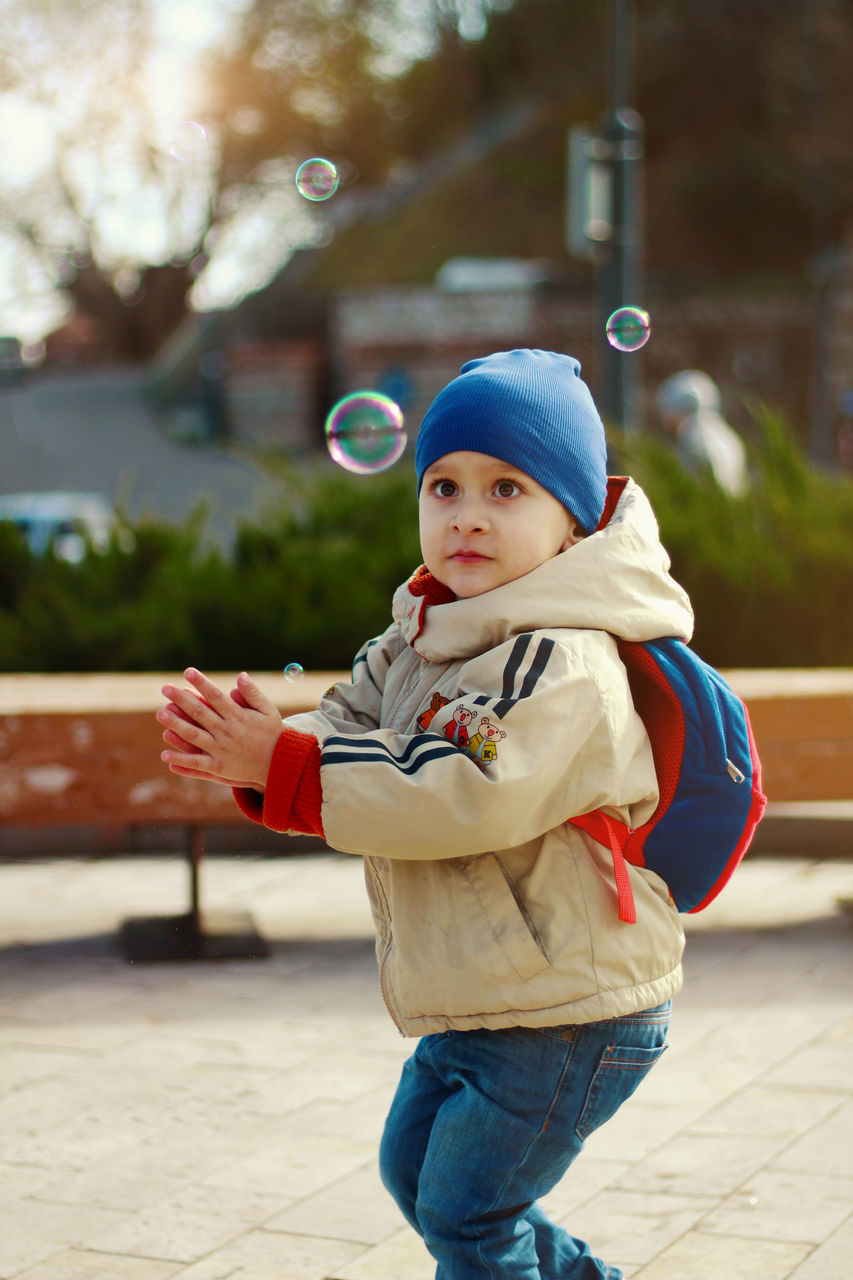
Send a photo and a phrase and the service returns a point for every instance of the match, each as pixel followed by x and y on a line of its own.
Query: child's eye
pixel 444 488
pixel 507 489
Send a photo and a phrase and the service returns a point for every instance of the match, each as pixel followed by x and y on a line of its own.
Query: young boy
pixel 492 709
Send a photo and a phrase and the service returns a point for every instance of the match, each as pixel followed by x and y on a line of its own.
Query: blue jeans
pixel 484 1123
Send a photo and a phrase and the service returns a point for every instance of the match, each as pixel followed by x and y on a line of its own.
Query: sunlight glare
pixel 27 140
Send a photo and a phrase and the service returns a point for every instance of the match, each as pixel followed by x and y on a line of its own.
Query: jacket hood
pixel 616 580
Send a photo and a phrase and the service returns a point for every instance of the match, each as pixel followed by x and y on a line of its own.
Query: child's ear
pixel 576 533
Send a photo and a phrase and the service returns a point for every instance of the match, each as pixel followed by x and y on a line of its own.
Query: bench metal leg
pixel 196 935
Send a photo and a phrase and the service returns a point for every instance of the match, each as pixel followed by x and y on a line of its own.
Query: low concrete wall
pixel 83 752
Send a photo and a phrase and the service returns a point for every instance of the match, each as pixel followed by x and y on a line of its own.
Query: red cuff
pixel 294 795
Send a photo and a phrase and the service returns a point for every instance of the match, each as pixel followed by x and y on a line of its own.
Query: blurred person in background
pixel 689 405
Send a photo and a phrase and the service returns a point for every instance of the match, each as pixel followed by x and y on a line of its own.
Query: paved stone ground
pixel 210 1121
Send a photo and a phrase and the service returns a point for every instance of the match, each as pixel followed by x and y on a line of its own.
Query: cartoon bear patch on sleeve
pixel 427 716
pixel 484 744
pixel 456 729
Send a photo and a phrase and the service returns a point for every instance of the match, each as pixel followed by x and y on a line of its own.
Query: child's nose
pixel 470 515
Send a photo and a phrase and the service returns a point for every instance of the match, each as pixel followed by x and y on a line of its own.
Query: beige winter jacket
pixel 470 732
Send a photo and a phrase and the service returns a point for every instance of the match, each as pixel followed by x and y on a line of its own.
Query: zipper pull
pixel 734 772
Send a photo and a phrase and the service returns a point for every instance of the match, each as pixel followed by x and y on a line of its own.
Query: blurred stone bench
pixel 80 771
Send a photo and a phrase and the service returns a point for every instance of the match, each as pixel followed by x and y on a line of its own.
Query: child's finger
pixel 211 694
pixel 191 708
pixel 253 696
pixel 179 712
pixel 194 761
pixel 175 740
pixel 193 771
pixel 172 718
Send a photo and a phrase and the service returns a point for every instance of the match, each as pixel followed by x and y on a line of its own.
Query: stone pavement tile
pixel 751 1044
pixel 83 1034
pixel 295 1161
pixel 36 1104
pixel 776 970
pixel 697 1256
pixel 221 1127
pixel 22 1180
pixel 20 1249
pixel 63 999
pixel 403 1256
pixel 356 1207
pixel 639 1126
pixel 776 1205
pixel 775 891
pixel 78 1264
pixel 125 1101
pixel 73 1143
pixel 831 1259
pixel 836 970
pixel 769 1110
pixel 175 1050
pixel 825 1149
pixel 132 1179
pixel 361 1118
pixel 636 1225
pixel 269 1255
pixel 343 1075
pixel 825 1063
pixel 33 1229
pixel 701 1164
pixel 585 1179
pixel 189 1224
pixel 23 1063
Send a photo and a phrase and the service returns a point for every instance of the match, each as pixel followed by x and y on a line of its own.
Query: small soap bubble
pixel 629 328
pixel 365 432
pixel 293 672
pixel 316 179
pixel 189 140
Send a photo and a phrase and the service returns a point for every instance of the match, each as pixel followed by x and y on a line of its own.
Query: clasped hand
pixel 225 738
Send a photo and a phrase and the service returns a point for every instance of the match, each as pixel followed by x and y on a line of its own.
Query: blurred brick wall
pixel 272 394
pixel 754 348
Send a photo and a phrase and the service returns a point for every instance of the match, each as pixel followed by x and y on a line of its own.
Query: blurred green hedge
pixel 769 575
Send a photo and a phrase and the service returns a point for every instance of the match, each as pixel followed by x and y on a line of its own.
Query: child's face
pixel 484 522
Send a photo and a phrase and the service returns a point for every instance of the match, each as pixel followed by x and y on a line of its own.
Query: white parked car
pixel 67 522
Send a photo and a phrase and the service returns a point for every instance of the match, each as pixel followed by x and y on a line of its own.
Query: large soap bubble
pixel 629 328
pixel 365 432
pixel 316 179
pixel 188 141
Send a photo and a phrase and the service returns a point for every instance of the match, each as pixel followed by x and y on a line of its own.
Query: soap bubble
pixel 628 329
pixel 316 179
pixel 365 432
pixel 293 672
pixel 188 141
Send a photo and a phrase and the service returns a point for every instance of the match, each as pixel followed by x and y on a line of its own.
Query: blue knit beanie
pixel 533 410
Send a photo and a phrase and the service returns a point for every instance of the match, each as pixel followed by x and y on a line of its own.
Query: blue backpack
pixel 709 777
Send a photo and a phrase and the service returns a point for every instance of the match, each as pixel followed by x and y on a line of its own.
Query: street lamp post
pixel 605 213
pixel 619 264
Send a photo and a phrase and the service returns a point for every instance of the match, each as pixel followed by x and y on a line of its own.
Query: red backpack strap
pixel 610 832
pixel 614 835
